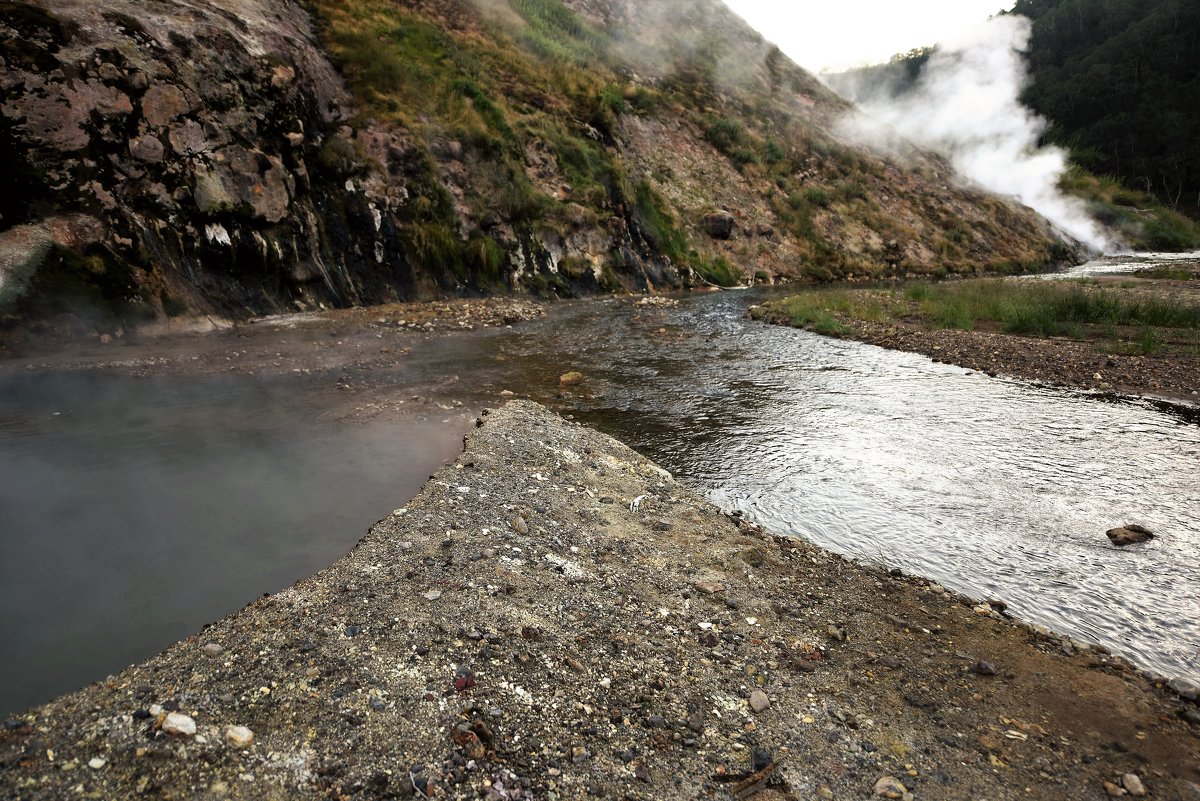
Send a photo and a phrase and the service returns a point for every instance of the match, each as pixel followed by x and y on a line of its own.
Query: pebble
pixel 1112 790
pixel 433 595
pixel 1133 783
pixel 179 724
pixel 983 609
pixel 983 668
pixel 239 736
pixel 759 701
pixel 212 649
pixel 709 587
pixel 890 787
pixel 519 525
pixel 95 763
pixel 1185 688
pixel 937 588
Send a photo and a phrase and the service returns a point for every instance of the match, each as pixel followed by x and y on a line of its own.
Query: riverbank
pixel 555 617
pixel 1044 331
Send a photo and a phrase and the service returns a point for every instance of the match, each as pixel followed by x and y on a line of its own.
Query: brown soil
pixel 554 617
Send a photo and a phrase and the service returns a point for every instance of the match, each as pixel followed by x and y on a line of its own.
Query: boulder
pixel 241 180
pixel 718 224
pixel 24 247
pixel 1129 535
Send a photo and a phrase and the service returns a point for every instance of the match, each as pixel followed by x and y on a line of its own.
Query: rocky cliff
pixel 245 156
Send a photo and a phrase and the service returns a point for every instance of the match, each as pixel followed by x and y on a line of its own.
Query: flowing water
pixel 991 487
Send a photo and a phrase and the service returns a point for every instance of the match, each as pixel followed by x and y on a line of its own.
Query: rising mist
pixel 965 105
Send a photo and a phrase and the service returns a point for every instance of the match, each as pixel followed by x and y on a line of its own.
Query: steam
pixel 966 106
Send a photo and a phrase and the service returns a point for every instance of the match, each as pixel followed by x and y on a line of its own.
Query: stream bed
pixel 132 511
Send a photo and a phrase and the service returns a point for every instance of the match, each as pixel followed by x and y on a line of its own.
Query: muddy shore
pixel 555 617
pixel 1172 373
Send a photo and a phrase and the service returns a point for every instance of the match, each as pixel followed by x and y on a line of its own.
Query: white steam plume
pixel 966 105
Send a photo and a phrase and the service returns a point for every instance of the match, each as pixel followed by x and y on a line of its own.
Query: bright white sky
pixel 836 34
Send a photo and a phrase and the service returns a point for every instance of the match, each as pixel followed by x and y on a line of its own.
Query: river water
pixel 991 487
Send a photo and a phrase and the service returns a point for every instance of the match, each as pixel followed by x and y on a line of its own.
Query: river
pixel 135 516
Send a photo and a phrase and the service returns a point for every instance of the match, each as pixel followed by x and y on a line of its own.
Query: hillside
pixel 239 157
pixel 1116 81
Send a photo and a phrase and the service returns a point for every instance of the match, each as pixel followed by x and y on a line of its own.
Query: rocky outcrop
pixel 217 146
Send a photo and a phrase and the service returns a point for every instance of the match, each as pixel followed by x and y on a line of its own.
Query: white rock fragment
pixel 179 724
pixel 212 649
pixel 239 736
pixel 95 763
pixel 433 595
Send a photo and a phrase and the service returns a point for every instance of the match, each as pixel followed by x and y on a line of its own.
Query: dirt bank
pixel 555 617
pixel 1109 361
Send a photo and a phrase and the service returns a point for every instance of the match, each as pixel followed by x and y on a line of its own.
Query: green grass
pixel 1169 273
pixel 1039 309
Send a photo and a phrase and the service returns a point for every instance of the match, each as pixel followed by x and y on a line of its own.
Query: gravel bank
pixel 555 617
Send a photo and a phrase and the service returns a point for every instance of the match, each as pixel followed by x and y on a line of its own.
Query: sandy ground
pixel 554 617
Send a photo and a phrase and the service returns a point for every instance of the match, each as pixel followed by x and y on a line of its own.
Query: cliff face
pixel 246 156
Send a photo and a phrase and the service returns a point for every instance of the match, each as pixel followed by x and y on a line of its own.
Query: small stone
pixel 836 632
pixel 983 668
pixel 1184 688
pixel 570 379
pixel 179 724
pixel 890 787
pixel 433 595
pixel 212 649
pixel 95 763
pixel 1133 784
pixel 1130 534
pixel 709 587
pixel 937 589
pixel 519 525
pixel 1112 790
pixel 239 736
pixel 760 758
pixel 759 701
pixel 983 609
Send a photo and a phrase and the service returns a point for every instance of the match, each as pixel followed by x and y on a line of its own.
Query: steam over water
pixel 133 511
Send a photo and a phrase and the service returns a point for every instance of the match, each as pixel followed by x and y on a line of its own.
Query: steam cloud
pixel 966 105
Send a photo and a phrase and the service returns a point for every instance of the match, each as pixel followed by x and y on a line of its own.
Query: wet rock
pixel 718 224
pixel 1133 784
pixel 179 724
pixel 890 787
pixel 1185 688
pixel 243 181
pixel 760 759
pixel 1129 535
pixel 759 701
pixel 239 736
pixel 570 379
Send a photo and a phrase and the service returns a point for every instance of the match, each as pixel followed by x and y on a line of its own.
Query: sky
pixel 837 34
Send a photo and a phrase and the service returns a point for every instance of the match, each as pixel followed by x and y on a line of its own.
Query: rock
pixel 162 103
pixel 239 736
pixel 1112 790
pixel 95 763
pixel 718 224
pixel 1129 535
pixel 212 649
pixel 759 701
pixel 983 609
pixel 709 587
pixel 432 595
pixel 760 758
pixel 179 724
pixel 519 525
pixel 570 379
pixel 23 248
pixel 187 138
pixel 1133 784
pixel 241 181
pixel 147 148
pixel 1191 715
pixel 983 668
pixel 1185 688
pixel 890 787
